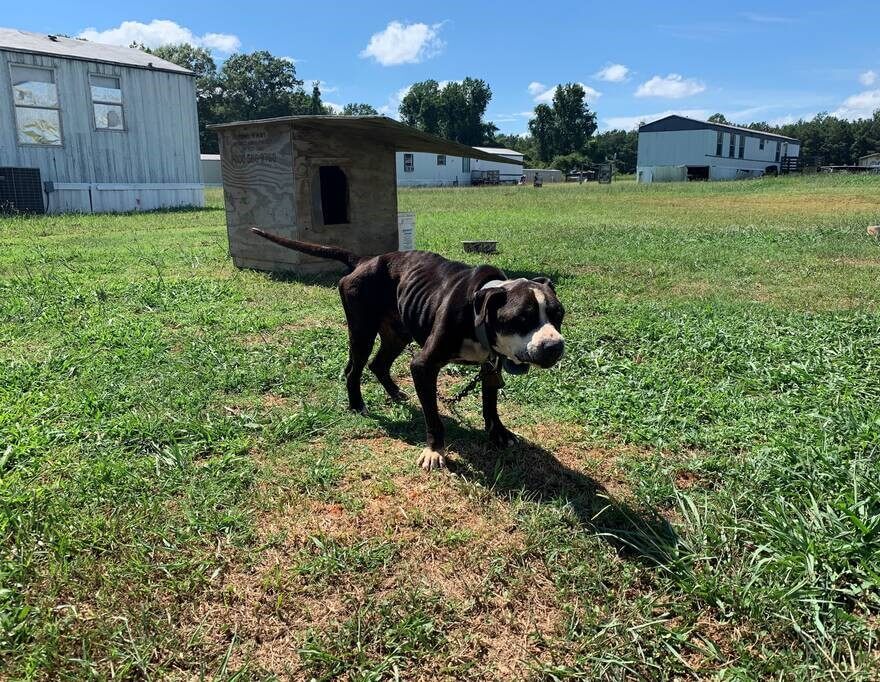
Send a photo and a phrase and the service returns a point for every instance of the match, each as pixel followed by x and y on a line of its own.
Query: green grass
pixel 696 494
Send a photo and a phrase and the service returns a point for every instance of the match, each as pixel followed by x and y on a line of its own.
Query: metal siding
pixel 13 40
pixel 697 148
pixel 160 144
pixel 675 148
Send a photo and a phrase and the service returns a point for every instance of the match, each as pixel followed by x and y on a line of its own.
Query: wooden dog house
pixel 324 179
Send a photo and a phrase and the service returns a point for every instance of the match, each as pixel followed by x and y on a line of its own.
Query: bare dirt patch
pixel 272 400
pixel 445 535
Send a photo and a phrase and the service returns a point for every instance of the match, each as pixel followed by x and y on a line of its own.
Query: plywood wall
pixel 271 180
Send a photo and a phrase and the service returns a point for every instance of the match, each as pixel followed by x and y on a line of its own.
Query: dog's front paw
pixel 431 459
pixel 501 437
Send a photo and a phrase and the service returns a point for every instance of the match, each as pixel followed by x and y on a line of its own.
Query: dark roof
pixel 381 128
pixel 676 122
pixel 55 46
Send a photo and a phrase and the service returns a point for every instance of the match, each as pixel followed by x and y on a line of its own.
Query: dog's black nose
pixel 550 352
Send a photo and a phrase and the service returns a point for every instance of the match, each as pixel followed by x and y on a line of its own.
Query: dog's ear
pixel 486 301
pixel 544 280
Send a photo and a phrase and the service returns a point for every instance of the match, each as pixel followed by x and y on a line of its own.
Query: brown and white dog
pixel 455 312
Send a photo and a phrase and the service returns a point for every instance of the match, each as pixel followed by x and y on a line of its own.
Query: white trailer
pixel 422 169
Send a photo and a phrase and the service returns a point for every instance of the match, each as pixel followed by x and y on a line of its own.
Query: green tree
pixel 454 111
pixel 718 118
pixel 619 146
pixel 565 127
pixel 259 85
pixel 420 107
pixel 574 121
pixel 247 86
pixel 543 130
pixel 316 107
pixel 569 162
pixel 359 109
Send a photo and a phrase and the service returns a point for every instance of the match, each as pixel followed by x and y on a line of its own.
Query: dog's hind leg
pixel 360 345
pixel 392 345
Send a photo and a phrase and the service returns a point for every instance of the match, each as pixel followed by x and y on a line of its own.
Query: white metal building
pixel 870 159
pixel 677 148
pixel 88 127
pixel 420 169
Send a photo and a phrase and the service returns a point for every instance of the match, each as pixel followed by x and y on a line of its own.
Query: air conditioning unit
pixel 21 190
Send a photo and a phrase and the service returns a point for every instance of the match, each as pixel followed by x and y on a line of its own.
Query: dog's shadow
pixel 532 472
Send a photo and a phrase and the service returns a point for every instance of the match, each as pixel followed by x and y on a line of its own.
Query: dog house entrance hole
pixel 334 195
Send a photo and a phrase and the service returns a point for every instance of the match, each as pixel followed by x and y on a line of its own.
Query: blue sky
pixel 752 61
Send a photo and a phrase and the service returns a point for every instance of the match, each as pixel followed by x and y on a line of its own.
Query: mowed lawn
pixel 696 493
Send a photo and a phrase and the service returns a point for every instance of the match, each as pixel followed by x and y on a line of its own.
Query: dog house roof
pixel 382 129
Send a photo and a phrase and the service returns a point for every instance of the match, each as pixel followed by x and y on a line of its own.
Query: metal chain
pixel 452 403
pixel 463 393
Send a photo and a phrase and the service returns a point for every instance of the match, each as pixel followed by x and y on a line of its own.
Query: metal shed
pixel 324 179
pixel 678 148
pixel 107 128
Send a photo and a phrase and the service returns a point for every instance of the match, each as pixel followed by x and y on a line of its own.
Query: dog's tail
pixel 330 252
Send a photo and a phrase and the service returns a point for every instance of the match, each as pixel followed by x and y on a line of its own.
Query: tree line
pixel 246 87
pixel 828 140
pixel 562 133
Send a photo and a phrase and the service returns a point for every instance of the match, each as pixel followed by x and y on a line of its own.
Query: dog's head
pixel 523 321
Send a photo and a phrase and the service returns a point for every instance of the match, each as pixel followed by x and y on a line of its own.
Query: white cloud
pixel 868 78
pixel 404 44
pixel 392 106
pixel 535 88
pixel 161 32
pixel 334 107
pixel 613 73
pixel 308 84
pixel 861 105
pixel 544 95
pixel 632 122
pixel 673 86
pixel 510 117
pixel 790 118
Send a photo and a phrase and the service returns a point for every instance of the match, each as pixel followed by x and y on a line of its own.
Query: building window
pixel 37 108
pixel 441 159
pixel 334 195
pixel 742 146
pixel 409 163
pixel 107 102
pixel 778 149
pixel 719 145
pixel 761 144
pixel 732 148
pixel 465 164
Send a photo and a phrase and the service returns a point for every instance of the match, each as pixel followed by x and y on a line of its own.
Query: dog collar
pixel 495 359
